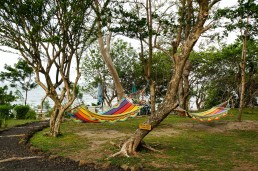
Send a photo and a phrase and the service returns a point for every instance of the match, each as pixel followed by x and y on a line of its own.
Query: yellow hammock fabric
pixel 214 113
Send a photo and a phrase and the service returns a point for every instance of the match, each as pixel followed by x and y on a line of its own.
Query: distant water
pixel 36 95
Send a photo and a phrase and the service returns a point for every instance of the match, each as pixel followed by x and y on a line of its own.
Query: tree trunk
pixel 242 66
pixel 183 90
pixel 152 93
pixel 179 57
pixel 242 93
pixel 169 104
pixel 26 97
pixel 105 52
pixel 181 93
pixel 108 61
pixel 55 121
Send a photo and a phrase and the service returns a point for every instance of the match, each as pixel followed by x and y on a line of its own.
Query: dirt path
pixel 16 155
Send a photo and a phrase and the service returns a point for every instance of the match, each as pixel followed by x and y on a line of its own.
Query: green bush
pixel 21 111
pixel 5 111
pixel 31 114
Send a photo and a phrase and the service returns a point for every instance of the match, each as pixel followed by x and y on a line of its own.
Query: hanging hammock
pixel 215 113
pixel 121 112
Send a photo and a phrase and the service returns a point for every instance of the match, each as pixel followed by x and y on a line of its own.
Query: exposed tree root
pixel 150 148
pixel 19 135
pixel 124 149
pixel 127 149
pixel 120 153
pixel 19 158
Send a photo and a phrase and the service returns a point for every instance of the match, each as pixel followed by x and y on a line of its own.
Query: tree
pixel 179 51
pixel 50 36
pixel 104 41
pixel 20 76
pixel 161 68
pixel 243 17
pixel 218 75
pixel 6 97
pixel 137 23
pixel 124 58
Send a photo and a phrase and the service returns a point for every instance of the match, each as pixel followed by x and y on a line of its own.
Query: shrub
pixel 5 111
pixel 21 111
pixel 31 114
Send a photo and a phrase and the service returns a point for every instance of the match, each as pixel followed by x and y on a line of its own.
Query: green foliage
pixel 6 97
pixel 162 71
pixel 31 114
pixel 21 111
pixel 47 104
pixel 216 73
pixel 235 18
pixel 5 111
pixel 20 76
pixel 125 60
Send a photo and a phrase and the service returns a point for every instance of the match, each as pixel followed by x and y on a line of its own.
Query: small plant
pixel 4 114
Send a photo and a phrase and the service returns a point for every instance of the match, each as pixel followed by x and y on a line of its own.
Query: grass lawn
pixel 183 144
pixel 14 122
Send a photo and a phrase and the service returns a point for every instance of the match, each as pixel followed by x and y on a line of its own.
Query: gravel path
pixel 16 154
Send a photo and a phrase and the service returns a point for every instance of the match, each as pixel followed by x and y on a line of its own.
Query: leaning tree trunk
pixel 105 52
pixel 179 57
pixel 169 104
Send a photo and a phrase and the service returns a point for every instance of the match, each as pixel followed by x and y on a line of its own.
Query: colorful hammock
pixel 121 112
pixel 214 113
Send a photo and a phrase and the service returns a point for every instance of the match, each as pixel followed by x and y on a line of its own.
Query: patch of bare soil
pixel 107 134
pixel 245 166
pixel 98 140
pixel 219 127
pixel 159 132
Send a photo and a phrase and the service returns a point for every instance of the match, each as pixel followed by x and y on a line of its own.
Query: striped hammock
pixel 214 113
pixel 121 112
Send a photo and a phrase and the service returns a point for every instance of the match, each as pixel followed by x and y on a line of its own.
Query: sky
pixel 11 59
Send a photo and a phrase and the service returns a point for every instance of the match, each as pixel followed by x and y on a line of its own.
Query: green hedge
pixel 21 111
pixel 5 111
pixel 31 114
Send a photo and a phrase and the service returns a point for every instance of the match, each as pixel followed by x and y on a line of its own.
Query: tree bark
pixel 55 120
pixel 152 93
pixel 26 97
pixel 242 66
pixel 242 92
pixel 169 104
